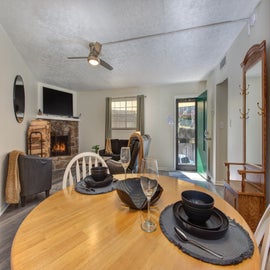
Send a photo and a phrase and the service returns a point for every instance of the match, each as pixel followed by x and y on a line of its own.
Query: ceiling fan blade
pixel 77 57
pixel 105 64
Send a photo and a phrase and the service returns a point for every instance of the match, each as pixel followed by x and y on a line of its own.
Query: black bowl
pixel 198 215
pixel 197 199
pixel 91 183
pixel 99 173
pixel 130 192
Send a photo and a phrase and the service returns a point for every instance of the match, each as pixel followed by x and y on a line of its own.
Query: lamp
pixel 93 60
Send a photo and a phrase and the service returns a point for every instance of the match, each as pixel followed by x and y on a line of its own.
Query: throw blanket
pixel 13 187
pixel 108 147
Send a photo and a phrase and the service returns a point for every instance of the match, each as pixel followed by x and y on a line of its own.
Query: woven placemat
pixel 82 188
pixel 235 246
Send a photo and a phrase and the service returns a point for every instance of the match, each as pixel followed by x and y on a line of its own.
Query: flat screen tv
pixel 57 102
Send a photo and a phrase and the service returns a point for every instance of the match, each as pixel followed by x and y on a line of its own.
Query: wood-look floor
pixel 14 215
pixel 10 222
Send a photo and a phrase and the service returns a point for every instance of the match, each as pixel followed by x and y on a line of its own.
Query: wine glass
pixel 149 184
pixel 125 158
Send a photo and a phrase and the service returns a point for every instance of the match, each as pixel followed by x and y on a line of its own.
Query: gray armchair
pixel 35 175
pixel 139 149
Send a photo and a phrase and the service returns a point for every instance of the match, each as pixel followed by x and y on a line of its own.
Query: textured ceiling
pixel 148 42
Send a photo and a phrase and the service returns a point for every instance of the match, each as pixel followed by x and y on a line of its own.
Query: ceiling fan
pixel 93 57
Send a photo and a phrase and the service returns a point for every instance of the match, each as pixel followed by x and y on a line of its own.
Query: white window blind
pixel 124 113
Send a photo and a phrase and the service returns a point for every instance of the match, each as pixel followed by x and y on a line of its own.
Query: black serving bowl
pixel 197 205
pixel 197 199
pixel 99 173
pixel 198 215
pixel 130 192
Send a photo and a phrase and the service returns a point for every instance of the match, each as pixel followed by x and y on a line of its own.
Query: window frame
pixel 125 100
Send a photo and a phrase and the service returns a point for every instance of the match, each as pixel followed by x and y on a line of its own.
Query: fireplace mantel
pixel 55 117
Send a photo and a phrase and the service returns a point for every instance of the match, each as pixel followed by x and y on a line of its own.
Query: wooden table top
pixel 69 230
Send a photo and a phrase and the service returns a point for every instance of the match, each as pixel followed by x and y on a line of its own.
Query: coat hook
pixel 243 91
pixel 244 115
pixel 261 112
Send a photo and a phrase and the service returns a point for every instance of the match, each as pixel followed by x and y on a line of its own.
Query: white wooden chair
pixel 80 166
pixel 262 235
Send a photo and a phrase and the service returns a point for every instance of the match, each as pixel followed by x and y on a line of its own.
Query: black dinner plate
pixel 201 231
pixel 213 223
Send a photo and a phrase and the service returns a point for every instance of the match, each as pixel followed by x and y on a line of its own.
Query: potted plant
pixel 95 148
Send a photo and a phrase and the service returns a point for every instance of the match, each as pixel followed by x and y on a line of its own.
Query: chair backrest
pixel 80 166
pixel 136 150
pixel 35 174
pixel 146 144
pixel 262 236
pixel 139 147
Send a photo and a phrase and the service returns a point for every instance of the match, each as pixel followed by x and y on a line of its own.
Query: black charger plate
pixel 214 228
pixel 213 223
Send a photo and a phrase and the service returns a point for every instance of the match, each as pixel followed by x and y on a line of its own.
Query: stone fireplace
pixel 60 145
pixel 57 139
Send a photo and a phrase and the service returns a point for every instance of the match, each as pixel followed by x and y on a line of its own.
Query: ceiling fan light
pixel 94 61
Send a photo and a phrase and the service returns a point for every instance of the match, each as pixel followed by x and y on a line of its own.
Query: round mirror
pixel 18 98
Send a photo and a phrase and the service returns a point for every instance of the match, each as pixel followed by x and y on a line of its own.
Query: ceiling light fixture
pixel 93 60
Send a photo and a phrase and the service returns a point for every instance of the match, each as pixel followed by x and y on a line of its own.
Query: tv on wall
pixel 57 102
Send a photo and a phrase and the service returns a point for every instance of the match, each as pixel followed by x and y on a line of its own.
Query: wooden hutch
pixel 248 193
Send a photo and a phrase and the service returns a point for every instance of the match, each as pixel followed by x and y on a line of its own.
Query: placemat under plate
pixel 81 188
pixel 235 246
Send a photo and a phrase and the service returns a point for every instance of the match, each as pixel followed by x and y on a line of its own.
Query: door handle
pixel 205 135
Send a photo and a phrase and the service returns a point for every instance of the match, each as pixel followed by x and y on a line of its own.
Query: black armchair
pixel 113 148
pixel 139 148
pixel 35 175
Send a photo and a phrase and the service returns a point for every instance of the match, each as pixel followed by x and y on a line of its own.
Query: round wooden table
pixel 70 230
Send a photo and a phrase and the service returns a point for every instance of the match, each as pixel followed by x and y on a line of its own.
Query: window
pixel 124 113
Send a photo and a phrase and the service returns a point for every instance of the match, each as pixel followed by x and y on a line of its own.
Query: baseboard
pixel 219 183
pixel 166 169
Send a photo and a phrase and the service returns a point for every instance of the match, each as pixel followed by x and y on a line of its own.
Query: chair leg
pixel 47 193
pixel 265 247
pixel 23 199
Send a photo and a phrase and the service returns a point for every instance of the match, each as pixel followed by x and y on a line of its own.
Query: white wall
pixel 233 72
pixel 159 104
pixel 12 133
pixel 221 131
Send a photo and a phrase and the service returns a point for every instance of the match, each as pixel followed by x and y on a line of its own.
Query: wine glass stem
pixel 148 209
pixel 125 173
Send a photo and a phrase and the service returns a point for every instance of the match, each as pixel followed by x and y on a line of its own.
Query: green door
pixel 201 134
